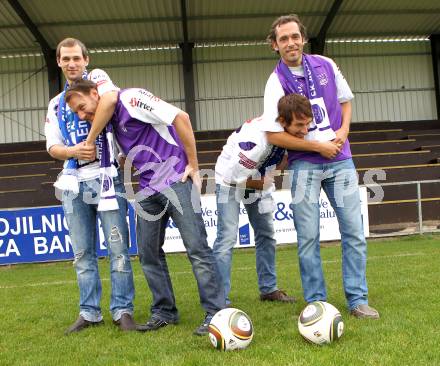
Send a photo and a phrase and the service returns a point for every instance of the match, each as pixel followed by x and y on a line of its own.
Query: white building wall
pixel 156 70
pixel 229 84
pixel 391 81
pixel 23 98
pixel 24 94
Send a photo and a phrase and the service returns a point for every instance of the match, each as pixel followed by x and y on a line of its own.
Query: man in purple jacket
pixel 158 139
pixel 319 79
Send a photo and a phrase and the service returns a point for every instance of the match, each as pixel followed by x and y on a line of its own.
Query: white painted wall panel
pixel 227 113
pixel 394 106
pixel 23 98
pixel 390 81
pixel 24 87
pixel 238 88
pixel 229 83
pixel 163 81
pixel 156 70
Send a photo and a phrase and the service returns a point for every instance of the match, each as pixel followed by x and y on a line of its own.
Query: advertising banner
pixel 41 234
pixel 282 219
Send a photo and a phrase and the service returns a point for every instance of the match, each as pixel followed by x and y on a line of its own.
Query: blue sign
pixel 244 235
pixel 41 235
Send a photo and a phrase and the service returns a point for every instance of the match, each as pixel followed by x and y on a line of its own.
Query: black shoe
pixel 152 324
pixel 126 322
pixel 203 328
pixel 81 324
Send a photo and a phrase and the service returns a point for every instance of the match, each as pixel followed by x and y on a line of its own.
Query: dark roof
pixel 27 24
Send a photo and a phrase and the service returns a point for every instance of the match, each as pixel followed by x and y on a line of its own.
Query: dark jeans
pixel 175 202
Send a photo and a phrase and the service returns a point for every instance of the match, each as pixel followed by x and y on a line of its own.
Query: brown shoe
pixel 277 295
pixel 81 324
pixel 365 311
pixel 126 322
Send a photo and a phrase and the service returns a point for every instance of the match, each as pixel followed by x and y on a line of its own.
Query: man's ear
pixel 94 93
pixel 87 61
pixel 274 46
pixel 282 121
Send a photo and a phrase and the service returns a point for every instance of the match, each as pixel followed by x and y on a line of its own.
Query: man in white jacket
pixel 244 172
pixel 65 139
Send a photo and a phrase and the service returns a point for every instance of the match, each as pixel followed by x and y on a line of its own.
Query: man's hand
pixel 83 151
pixel 121 161
pixel 341 136
pixel 194 174
pixel 329 149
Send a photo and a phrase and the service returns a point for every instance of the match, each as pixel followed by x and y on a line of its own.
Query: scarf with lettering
pixel 69 124
pixel 311 90
pixel 291 84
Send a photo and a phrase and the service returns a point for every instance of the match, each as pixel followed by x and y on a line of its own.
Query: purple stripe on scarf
pixel 291 84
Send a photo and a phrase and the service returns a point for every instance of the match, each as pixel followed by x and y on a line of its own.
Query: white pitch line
pixel 56 283
pixel 373 258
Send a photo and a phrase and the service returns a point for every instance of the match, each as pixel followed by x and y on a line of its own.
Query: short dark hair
pixel 293 105
pixel 272 36
pixel 71 42
pixel 80 86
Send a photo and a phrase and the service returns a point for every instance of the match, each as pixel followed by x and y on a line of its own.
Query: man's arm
pixel 345 96
pixel 256 184
pixel 86 150
pixel 327 149
pixel 275 136
pixel 342 133
pixel 54 140
pixel 79 151
pixel 264 182
pixel 103 114
pixel 184 130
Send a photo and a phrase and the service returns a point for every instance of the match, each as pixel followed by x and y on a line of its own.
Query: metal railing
pixel 418 184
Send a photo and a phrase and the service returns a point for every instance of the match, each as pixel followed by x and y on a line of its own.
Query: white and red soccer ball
pixel 320 323
pixel 230 329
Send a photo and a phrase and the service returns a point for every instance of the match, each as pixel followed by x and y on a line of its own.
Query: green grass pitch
pixel 39 301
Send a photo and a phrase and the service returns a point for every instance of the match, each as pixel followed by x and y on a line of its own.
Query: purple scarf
pixel 107 171
pixel 325 105
pixel 313 90
pixel 291 84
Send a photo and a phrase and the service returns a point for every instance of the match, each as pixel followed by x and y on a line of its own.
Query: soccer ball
pixel 230 329
pixel 320 323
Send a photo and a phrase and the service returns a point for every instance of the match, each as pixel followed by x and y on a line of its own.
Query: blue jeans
pixel 340 183
pixel 81 214
pixel 175 202
pixel 228 206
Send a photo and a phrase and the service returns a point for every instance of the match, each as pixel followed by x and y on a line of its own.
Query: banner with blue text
pixel 41 234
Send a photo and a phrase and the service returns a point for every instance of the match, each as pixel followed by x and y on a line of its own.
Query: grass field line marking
pixel 40 284
pixel 370 258
pixel 67 282
pixel 373 258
